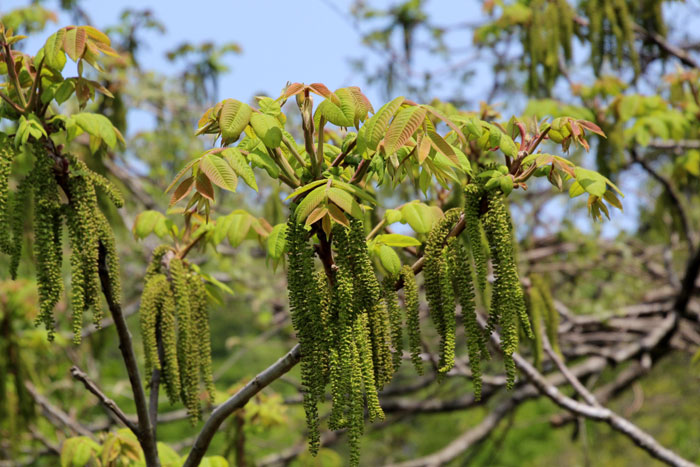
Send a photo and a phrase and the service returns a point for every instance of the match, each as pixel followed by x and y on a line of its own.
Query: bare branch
pixel 474 435
pixel 145 427
pixel 673 194
pixel 109 404
pixel 238 400
pixel 641 438
pixel 57 414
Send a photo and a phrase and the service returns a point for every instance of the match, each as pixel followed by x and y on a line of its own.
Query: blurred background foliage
pixel 646 101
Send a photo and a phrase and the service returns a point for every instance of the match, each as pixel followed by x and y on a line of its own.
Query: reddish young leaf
pixel 182 190
pixel 204 186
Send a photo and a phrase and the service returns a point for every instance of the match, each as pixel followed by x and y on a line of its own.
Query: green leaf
pixel 145 222
pixel 218 171
pixel 305 188
pixel 54 57
pixel 277 241
pixel 309 203
pixel 593 182
pixel 240 165
pixel 233 118
pixel 96 125
pixel 389 259
pixel 397 240
pixel 259 157
pixel 419 216
pixel 78 451
pixel 239 227
pixel 355 190
pixel 506 184
pixel 268 129
pixel 345 201
pixel 221 228
pixel 168 456
pixel 341 114
pixel 392 216
pixel 576 190
pixel 214 461
pixel 406 122
pixel 64 91
pixel 373 131
pixel 508 146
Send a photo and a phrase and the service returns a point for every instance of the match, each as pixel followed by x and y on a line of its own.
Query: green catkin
pixel 340 357
pixel 461 274
pixel 148 314
pixel 305 307
pixel 168 332
pixel 410 289
pixel 7 155
pixel 174 306
pixel 549 312
pixel 368 297
pixel 187 348
pixel 46 212
pixel 356 421
pixel 109 189
pixel 157 313
pixel 391 301
pixel 18 213
pixel 449 319
pixel 363 345
pixel 472 207
pixel 535 308
pixel 508 301
pixel 200 315
pixel 156 264
pixel 438 290
pixel 325 298
pixel 81 219
pixel 106 239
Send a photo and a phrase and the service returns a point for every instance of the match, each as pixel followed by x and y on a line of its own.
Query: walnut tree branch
pixel 112 406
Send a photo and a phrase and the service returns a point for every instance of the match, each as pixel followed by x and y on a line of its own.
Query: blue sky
pixel 302 40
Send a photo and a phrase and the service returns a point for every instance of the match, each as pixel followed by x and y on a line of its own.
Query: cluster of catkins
pixel 551 28
pixel 175 329
pixel 88 230
pixel 611 30
pixel 350 328
pixel 487 212
pixel 343 329
pixel 544 317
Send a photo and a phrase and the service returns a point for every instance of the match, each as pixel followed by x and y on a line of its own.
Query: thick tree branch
pixel 145 427
pixel 238 400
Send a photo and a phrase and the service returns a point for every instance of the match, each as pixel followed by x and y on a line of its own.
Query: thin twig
pixel 112 406
pixel 57 414
pixel 673 194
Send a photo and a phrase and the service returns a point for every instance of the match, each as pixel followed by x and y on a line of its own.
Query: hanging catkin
pixel 412 316
pixel 438 288
pixel 47 214
pixel 174 312
pixel 507 304
pixel 304 304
